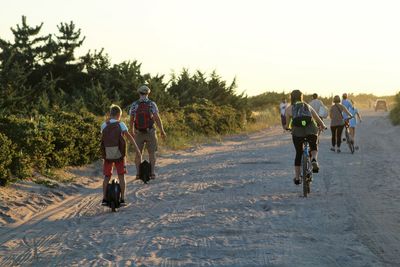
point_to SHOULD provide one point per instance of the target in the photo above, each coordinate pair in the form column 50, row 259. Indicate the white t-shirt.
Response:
column 121, row 124
column 282, row 108
column 316, row 104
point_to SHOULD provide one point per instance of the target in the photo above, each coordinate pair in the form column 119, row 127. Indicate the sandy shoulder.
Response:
column 231, row 203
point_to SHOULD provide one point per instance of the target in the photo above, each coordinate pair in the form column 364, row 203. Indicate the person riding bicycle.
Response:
column 337, row 122
column 304, row 122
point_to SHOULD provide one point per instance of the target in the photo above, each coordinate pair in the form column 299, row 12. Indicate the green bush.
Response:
column 209, row 119
column 33, row 140
column 6, row 156
column 395, row 112
column 77, row 139
column 196, row 121
column 56, row 140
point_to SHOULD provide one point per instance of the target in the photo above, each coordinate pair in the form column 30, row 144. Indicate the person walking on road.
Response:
column 353, row 122
column 337, row 122
column 143, row 114
column 347, row 103
column 316, row 104
column 282, row 109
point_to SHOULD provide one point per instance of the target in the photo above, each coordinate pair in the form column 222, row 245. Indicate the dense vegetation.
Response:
column 51, row 100
column 395, row 112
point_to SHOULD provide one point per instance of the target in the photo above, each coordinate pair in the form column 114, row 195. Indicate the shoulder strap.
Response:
column 340, row 112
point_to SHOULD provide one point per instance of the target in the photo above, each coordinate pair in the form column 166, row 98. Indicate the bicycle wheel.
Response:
column 349, row 141
column 304, row 164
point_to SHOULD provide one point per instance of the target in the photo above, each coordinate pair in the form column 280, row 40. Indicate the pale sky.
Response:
column 328, row 47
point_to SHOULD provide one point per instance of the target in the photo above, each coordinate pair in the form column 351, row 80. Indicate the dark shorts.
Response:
column 298, row 145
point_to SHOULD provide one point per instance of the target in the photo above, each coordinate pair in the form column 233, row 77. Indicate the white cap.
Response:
column 144, row 89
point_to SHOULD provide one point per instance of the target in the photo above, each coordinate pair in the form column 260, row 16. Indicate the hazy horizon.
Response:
column 314, row 46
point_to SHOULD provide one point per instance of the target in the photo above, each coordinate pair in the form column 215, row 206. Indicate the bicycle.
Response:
column 306, row 168
column 348, row 138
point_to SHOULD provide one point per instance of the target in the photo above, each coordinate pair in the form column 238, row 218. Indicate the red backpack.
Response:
column 144, row 118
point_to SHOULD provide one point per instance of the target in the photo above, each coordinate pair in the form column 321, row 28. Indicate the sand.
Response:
column 231, row 203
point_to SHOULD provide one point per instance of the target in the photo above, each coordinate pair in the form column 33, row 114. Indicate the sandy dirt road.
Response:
column 232, row 204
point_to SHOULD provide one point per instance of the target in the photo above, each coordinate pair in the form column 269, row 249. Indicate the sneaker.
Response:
column 338, row 150
column 122, row 202
column 333, row 149
column 315, row 166
column 104, row 202
column 296, row 181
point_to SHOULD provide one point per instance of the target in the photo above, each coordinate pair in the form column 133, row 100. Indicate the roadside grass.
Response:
column 175, row 141
column 259, row 121
column 395, row 111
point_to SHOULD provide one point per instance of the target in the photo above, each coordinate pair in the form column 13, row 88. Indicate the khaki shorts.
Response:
column 150, row 138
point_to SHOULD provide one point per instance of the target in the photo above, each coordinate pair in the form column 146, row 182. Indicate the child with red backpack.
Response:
column 113, row 147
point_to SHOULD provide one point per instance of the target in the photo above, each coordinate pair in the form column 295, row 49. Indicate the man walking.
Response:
column 143, row 114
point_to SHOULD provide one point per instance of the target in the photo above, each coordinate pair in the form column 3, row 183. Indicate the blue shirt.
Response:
column 353, row 121
column 348, row 105
column 121, row 124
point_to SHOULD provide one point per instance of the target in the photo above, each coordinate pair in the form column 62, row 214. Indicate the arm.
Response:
column 359, row 116
column 288, row 115
column 345, row 110
column 317, row 119
column 132, row 120
column 158, row 121
column 132, row 125
column 132, row 140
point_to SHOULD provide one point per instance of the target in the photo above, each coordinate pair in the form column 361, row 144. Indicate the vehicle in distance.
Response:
column 380, row 104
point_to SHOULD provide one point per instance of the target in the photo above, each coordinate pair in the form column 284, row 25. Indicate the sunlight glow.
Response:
column 316, row 46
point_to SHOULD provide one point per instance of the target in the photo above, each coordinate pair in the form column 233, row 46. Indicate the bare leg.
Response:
column 105, row 183
column 314, row 154
column 297, row 172
column 137, row 163
column 352, row 132
column 121, row 178
column 152, row 158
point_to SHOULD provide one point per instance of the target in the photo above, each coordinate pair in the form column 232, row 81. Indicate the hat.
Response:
column 144, row 89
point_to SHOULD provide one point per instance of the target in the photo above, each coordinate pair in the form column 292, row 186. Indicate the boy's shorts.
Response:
column 108, row 167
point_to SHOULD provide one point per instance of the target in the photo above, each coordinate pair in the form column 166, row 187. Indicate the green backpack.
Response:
column 301, row 115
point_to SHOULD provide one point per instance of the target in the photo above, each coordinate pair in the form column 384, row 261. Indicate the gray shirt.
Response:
column 316, row 104
column 335, row 113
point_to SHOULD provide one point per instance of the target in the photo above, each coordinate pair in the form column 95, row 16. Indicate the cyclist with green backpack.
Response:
column 304, row 122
